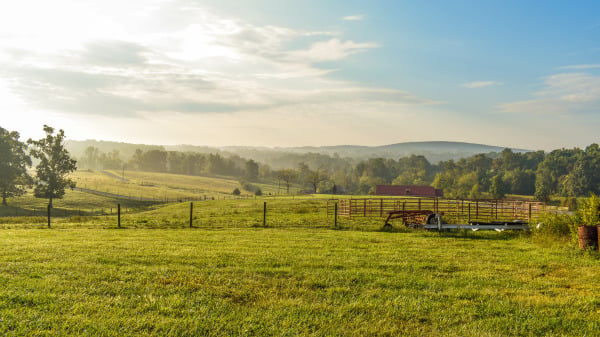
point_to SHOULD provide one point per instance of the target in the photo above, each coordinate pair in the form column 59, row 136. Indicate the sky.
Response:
column 521, row 74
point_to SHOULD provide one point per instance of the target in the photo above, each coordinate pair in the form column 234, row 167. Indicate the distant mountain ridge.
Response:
column 434, row 151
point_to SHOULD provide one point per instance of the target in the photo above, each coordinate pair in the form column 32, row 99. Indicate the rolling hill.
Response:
column 434, row 151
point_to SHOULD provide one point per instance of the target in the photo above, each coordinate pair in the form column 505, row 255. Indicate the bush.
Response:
column 258, row 192
column 249, row 187
column 236, row 191
column 589, row 211
column 570, row 202
column 555, row 226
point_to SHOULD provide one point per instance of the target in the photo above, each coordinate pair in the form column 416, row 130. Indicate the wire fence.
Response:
column 281, row 212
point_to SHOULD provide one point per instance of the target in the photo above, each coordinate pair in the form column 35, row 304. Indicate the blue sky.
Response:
column 522, row 74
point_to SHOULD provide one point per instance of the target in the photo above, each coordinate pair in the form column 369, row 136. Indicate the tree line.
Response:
column 567, row 173
column 563, row 172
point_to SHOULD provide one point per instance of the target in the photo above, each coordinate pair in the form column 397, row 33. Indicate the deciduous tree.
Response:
column 497, row 187
column 14, row 162
column 54, row 166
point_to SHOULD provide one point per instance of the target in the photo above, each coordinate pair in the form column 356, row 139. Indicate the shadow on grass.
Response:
column 479, row 235
column 12, row 211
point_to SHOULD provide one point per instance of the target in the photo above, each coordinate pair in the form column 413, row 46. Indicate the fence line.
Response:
column 459, row 210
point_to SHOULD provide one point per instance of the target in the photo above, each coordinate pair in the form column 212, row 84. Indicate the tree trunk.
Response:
column 4, row 199
column 50, row 202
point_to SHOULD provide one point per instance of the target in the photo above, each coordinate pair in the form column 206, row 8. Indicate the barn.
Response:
column 409, row 190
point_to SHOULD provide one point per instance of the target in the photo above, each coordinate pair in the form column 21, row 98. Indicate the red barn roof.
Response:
column 409, row 190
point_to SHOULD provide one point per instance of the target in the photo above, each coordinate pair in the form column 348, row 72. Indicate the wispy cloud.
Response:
column 479, row 84
column 331, row 50
column 357, row 17
column 581, row 67
column 568, row 93
column 201, row 64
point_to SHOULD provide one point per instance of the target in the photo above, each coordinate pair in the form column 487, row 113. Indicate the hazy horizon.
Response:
column 290, row 74
column 300, row 146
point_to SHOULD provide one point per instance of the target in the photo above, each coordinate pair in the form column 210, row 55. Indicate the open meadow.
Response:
column 161, row 186
column 293, row 281
column 229, row 274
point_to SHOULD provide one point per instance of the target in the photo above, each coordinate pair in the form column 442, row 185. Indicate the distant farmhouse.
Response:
column 409, row 190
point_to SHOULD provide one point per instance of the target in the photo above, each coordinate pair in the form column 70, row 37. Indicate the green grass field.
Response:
column 282, row 212
column 162, row 185
column 158, row 186
column 292, row 281
column 229, row 275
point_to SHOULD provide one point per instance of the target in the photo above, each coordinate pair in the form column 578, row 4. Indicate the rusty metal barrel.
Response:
column 588, row 237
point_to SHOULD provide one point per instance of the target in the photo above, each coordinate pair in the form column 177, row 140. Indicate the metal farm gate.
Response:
column 453, row 210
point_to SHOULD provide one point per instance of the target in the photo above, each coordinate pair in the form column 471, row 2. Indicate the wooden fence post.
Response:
column 119, row 215
column 335, row 215
column 191, row 213
column 469, row 220
column 265, row 214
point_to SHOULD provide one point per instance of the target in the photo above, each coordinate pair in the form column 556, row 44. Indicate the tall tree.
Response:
column 91, row 157
column 314, row 178
column 14, row 162
column 251, row 170
column 497, row 187
column 287, row 175
column 55, row 163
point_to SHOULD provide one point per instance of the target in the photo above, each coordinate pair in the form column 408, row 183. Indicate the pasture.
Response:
column 292, row 281
column 298, row 275
column 162, row 186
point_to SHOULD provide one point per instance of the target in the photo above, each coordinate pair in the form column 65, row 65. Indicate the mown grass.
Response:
column 73, row 203
column 291, row 281
column 159, row 186
column 162, row 186
column 238, row 213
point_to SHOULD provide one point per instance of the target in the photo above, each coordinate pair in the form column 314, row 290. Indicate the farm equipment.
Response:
column 410, row 218
column 426, row 213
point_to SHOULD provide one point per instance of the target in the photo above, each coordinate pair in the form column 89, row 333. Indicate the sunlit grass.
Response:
column 73, row 203
column 163, row 186
column 231, row 213
column 275, row 281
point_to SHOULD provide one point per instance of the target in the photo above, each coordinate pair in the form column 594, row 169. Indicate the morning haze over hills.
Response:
column 434, row 151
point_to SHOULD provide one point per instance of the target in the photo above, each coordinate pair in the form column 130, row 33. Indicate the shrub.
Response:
column 589, row 211
column 236, row 191
column 555, row 226
column 249, row 187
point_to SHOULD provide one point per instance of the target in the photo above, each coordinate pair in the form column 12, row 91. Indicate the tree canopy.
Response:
column 14, row 162
column 54, row 165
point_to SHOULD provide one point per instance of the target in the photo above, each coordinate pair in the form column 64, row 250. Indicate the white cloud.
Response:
column 581, row 67
column 568, row 93
column 167, row 64
column 479, row 84
column 201, row 63
column 358, row 17
column 332, row 50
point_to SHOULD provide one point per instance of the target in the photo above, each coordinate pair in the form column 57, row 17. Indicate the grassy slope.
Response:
column 281, row 212
column 161, row 185
column 140, row 184
column 73, row 202
column 291, row 282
